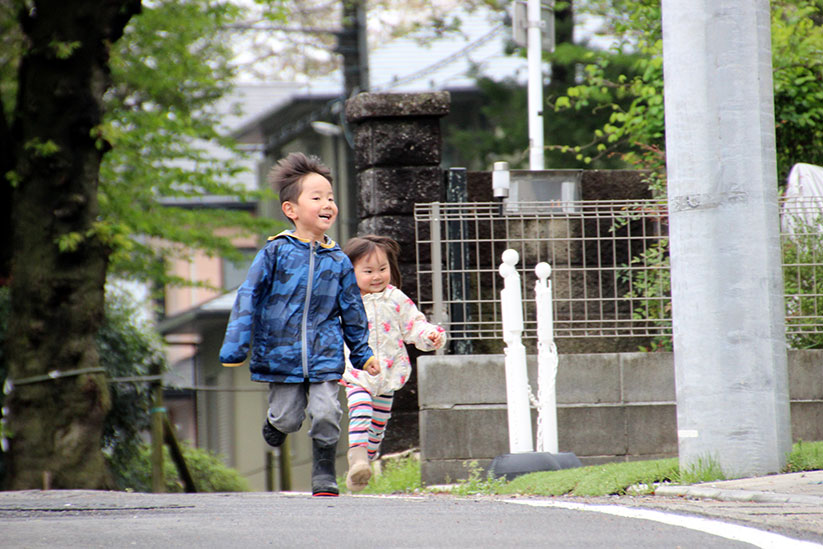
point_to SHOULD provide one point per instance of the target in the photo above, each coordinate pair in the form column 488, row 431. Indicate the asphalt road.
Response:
column 34, row 519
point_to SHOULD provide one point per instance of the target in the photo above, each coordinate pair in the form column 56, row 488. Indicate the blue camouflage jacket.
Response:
column 298, row 304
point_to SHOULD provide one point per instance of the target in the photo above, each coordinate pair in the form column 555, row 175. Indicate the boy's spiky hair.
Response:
column 287, row 175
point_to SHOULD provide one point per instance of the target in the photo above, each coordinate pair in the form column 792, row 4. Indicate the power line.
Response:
column 445, row 61
column 295, row 128
column 305, row 30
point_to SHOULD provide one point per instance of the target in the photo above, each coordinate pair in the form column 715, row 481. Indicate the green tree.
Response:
column 168, row 96
column 10, row 45
column 71, row 91
column 797, row 53
column 632, row 96
column 797, row 42
column 127, row 348
column 57, row 292
column 497, row 135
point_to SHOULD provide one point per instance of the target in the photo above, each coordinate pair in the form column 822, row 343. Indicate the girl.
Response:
column 393, row 321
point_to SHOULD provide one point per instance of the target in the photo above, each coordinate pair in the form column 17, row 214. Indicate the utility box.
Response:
column 541, row 191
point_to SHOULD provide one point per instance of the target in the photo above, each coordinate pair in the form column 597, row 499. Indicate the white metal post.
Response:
column 535, row 63
column 546, row 362
column 438, row 309
column 517, row 380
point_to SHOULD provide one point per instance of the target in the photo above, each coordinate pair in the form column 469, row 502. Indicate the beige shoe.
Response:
column 359, row 469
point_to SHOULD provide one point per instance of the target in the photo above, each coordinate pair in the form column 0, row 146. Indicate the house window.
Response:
column 235, row 273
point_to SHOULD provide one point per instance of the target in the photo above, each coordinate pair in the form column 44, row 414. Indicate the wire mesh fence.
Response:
column 610, row 268
column 801, row 232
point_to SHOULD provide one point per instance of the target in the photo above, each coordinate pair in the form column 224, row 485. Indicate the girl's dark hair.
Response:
column 287, row 176
column 364, row 246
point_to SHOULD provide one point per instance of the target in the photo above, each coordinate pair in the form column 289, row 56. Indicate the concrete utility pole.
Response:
column 351, row 44
column 727, row 289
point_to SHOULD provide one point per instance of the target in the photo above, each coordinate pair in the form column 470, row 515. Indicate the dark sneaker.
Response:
column 272, row 436
column 323, row 479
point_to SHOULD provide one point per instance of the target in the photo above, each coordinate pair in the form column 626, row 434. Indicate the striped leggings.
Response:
column 368, row 416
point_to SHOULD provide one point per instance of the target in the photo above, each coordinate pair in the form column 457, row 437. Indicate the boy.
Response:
column 300, row 302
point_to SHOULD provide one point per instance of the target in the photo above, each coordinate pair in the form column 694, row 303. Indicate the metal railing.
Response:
column 609, row 259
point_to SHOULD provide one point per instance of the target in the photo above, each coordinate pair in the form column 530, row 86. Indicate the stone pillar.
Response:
column 397, row 151
column 397, row 144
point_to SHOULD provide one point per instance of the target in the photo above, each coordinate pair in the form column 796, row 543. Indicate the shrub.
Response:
column 208, row 470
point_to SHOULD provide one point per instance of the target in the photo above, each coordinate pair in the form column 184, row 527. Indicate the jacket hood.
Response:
column 289, row 235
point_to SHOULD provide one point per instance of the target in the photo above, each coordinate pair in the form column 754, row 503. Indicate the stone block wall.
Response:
column 397, row 146
column 610, row 407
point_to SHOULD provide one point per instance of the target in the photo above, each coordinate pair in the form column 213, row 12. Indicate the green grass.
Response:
column 636, row 477
column 705, row 470
column 596, row 480
column 476, row 483
column 399, row 476
column 805, row 456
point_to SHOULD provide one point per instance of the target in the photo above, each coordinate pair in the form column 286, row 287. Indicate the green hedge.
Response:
column 209, row 471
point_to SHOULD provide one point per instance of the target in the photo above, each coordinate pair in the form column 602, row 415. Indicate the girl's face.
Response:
column 372, row 272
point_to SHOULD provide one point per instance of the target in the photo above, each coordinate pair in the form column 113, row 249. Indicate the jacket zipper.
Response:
column 305, row 324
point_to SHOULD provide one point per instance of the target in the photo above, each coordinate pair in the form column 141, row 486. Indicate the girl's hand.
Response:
column 372, row 368
column 436, row 338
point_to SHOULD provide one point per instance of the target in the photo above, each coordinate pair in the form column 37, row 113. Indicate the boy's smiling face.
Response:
column 315, row 209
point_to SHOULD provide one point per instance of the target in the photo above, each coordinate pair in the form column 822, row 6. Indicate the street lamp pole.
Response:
column 535, row 88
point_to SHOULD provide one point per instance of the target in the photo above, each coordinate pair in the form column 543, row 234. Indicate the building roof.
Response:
column 193, row 320
column 255, row 100
column 408, row 65
column 403, row 65
column 239, row 108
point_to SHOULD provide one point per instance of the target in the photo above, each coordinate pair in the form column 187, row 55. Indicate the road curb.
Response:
column 736, row 495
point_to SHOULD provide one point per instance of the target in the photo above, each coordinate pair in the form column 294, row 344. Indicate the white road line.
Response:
column 758, row 538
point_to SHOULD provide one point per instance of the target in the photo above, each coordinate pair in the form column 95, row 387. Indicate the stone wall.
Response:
column 610, row 407
column 594, row 185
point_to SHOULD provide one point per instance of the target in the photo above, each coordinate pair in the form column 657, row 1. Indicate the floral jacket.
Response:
column 394, row 320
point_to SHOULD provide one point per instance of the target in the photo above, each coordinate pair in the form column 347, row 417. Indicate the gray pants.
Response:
column 289, row 403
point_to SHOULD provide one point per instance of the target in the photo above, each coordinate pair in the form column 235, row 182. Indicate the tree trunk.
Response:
column 562, row 76
column 6, row 165
column 57, row 292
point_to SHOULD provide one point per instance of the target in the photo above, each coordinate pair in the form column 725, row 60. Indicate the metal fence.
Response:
column 609, row 259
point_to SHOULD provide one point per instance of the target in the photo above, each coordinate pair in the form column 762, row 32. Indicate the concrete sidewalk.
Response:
column 802, row 488
column 791, row 504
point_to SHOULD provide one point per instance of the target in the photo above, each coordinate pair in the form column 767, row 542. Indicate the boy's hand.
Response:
column 373, row 368
column 437, row 337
